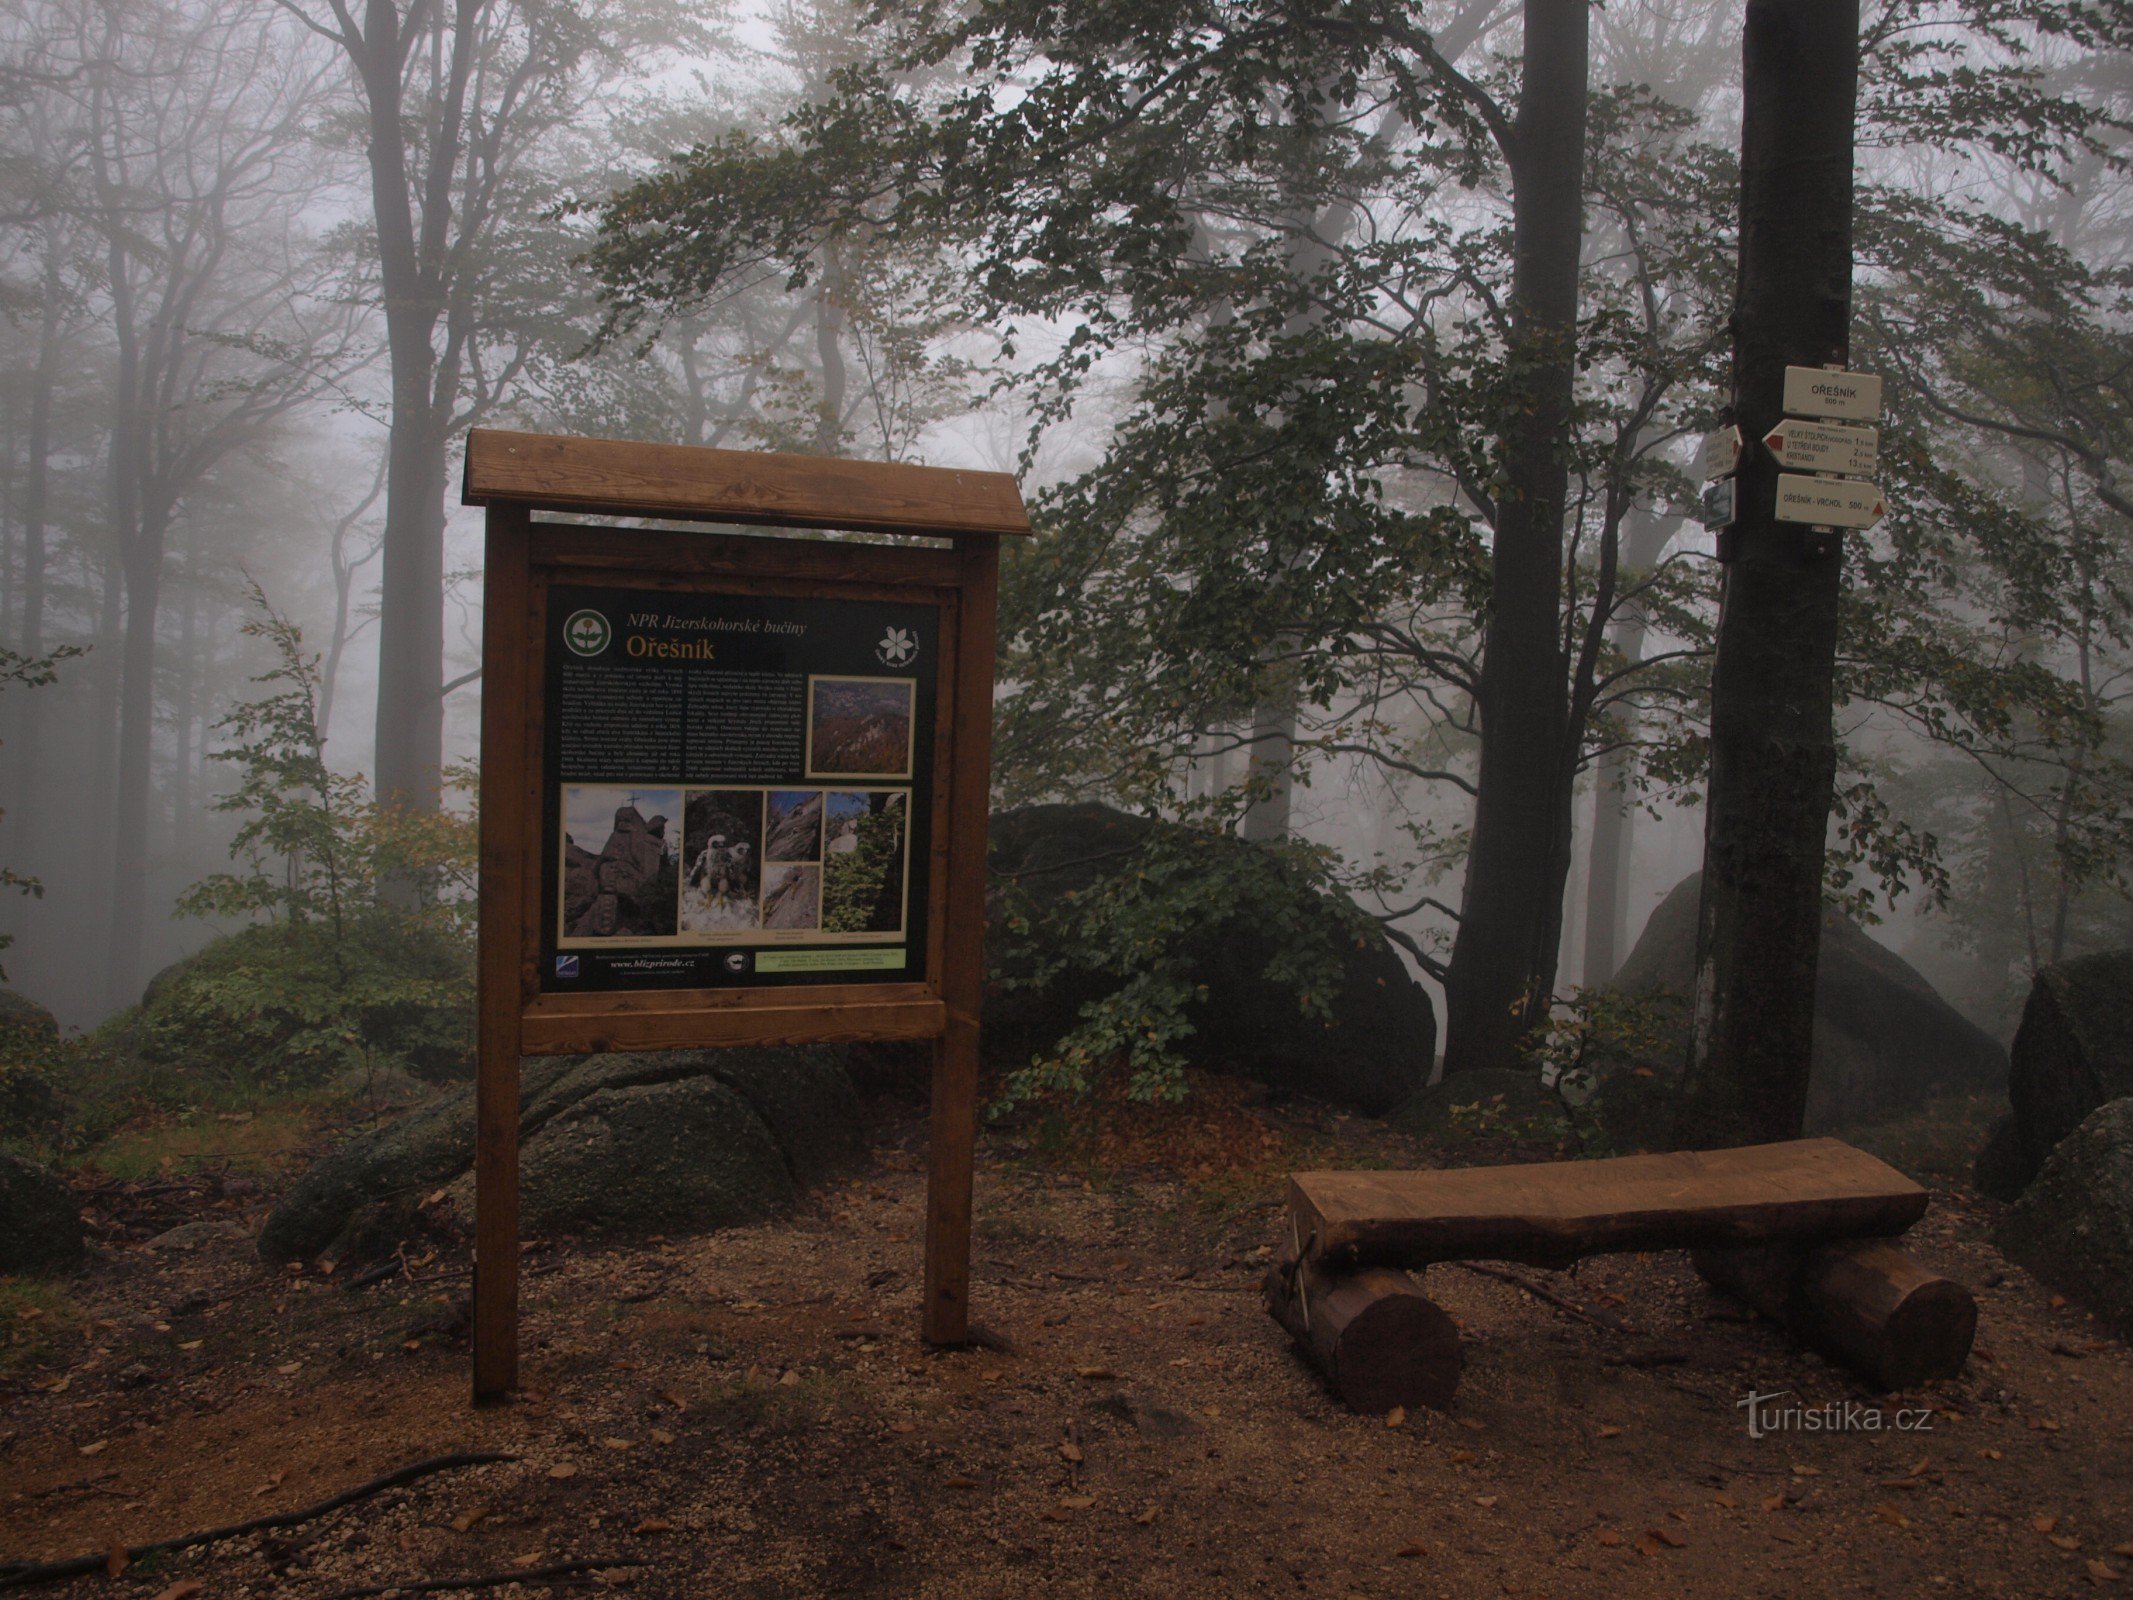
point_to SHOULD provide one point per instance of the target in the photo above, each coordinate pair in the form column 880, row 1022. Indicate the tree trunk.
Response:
column 136, row 750
column 1377, row 1338
column 1645, row 537
column 409, row 755
column 1773, row 750
column 1503, row 958
column 36, row 495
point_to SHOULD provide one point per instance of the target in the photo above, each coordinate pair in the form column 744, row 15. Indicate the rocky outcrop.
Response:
column 40, row 1226
column 663, row 1141
column 2072, row 1053
column 1884, row 1040
column 2073, row 1226
column 1372, row 1053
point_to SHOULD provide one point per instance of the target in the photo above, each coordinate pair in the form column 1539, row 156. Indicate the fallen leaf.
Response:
column 2103, row 1572
column 2044, row 1522
column 1461, row 1455
column 653, row 1525
column 563, row 1469
column 186, row 1588
column 661, row 1436
column 530, row 1559
column 1070, row 1451
column 620, row 1444
column 1649, row 1545
column 791, row 1380
column 1726, row 1500
column 2066, row 1541
column 1918, row 1467
column 1774, row 1502
column 1052, row 1514
column 1078, row 1502
column 466, row 1519
column 117, row 1560
column 1485, row 1500
column 1147, row 1515
column 1802, row 1471
column 2125, row 1549
column 1610, row 1538
column 1396, row 1416
column 961, row 1482
column 673, row 1399
column 1670, row 1536
column 1990, row 1454
column 1889, row 1514
column 271, row 1484
column 1094, row 1373
column 1474, row 1423
column 288, row 1367
column 97, row 1448
column 1609, row 1431
column 1413, row 1548
column 903, row 1427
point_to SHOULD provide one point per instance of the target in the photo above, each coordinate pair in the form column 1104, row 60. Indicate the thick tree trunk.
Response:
column 136, row 751
column 1503, row 959
column 1773, row 750
column 1644, row 540
column 410, row 719
column 24, row 759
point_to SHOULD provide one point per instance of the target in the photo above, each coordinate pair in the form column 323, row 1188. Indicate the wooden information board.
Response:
column 733, row 786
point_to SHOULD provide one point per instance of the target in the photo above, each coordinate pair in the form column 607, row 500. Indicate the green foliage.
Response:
column 1134, row 938
column 1612, row 1059
column 853, row 881
column 337, row 976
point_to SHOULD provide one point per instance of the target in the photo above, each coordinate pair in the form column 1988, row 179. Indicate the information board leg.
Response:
column 496, row 1222
column 954, row 1140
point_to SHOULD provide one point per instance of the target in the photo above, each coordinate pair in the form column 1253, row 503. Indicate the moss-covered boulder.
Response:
column 1885, row 1042
column 652, row 1142
column 2073, row 1226
column 23, row 1017
column 2072, row 1053
column 1228, row 919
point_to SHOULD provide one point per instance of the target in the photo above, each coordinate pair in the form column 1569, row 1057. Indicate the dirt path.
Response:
column 749, row 1414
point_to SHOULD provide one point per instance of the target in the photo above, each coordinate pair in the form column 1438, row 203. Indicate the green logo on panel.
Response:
column 587, row 633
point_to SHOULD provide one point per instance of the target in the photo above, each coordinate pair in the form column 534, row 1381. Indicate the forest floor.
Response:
column 750, row 1413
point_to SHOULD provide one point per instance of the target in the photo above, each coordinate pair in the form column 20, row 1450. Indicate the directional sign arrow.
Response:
column 1830, row 502
column 1719, row 455
column 1825, row 447
column 1819, row 392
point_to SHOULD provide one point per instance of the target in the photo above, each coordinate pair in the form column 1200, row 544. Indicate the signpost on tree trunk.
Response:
column 733, row 787
column 1773, row 749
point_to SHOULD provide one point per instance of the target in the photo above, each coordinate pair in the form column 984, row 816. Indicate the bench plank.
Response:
column 1552, row 1213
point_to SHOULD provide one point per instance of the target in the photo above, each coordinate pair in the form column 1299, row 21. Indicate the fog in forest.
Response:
column 1241, row 330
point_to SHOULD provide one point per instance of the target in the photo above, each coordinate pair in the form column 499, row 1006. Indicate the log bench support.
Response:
column 1862, row 1302
column 1379, row 1340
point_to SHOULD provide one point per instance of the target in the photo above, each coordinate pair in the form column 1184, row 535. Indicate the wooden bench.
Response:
column 1791, row 1228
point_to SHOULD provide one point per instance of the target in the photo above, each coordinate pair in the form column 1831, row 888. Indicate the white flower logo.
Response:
column 898, row 646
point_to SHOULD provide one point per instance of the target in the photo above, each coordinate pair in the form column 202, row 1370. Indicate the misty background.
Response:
column 261, row 269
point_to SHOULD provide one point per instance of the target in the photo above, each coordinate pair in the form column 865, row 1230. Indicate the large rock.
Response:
column 40, row 1226
column 21, row 1015
column 2072, row 1053
column 659, row 1141
column 1373, row 1052
column 2073, row 1226
column 1884, row 1040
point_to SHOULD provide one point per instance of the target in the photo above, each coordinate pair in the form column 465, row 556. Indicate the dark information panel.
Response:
column 737, row 789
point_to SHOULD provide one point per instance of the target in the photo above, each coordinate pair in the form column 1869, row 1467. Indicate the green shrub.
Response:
column 303, row 1002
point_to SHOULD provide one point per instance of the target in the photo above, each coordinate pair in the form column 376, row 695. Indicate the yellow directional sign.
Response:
column 1829, row 502
column 1819, row 392
column 1825, row 447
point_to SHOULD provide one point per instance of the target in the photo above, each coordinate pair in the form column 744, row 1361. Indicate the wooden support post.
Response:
column 503, row 934
column 945, row 1319
column 1864, row 1302
column 1379, row 1340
